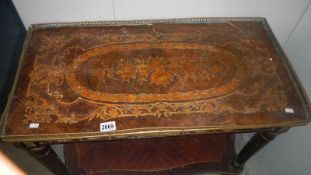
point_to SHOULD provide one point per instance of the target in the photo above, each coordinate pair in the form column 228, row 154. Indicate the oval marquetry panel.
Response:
column 149, row 72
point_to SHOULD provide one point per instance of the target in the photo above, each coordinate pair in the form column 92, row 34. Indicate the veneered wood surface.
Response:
column 155, row 79
column 170, row 155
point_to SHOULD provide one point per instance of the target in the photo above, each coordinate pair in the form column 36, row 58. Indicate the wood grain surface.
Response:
column 152, row 78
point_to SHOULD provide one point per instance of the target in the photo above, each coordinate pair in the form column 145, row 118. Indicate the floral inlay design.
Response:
column 62, row 83
column 171, row 75
column 158, row 71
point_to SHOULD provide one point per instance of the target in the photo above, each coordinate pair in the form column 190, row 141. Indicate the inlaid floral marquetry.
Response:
column 192, row 70
column 169, row 76
column 160, row 74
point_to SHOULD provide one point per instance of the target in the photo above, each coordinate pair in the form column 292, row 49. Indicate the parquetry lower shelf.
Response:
column 179, row 155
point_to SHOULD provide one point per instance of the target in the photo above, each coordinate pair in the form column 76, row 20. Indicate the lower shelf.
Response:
column 180, row 155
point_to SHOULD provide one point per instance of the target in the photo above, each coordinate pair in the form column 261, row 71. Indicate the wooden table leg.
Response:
column 46, row 155
column 258, row 141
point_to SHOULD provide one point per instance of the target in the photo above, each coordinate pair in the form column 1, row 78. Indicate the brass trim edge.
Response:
column 290, row 70
column 197, row 20
column 142, row 133
column 11, row 94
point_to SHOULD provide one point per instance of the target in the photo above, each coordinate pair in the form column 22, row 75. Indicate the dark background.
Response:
column 12, row 35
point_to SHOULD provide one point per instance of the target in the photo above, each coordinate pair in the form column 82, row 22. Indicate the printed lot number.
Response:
column 108, row 126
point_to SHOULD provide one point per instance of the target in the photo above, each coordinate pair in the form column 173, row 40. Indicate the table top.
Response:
column 151, row 78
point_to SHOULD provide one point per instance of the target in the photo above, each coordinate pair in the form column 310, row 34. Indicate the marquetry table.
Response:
column 151, row 96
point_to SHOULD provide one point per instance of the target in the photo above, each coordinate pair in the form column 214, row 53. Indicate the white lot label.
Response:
column 34, row 125
column 108, row 126
column 289, row 110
